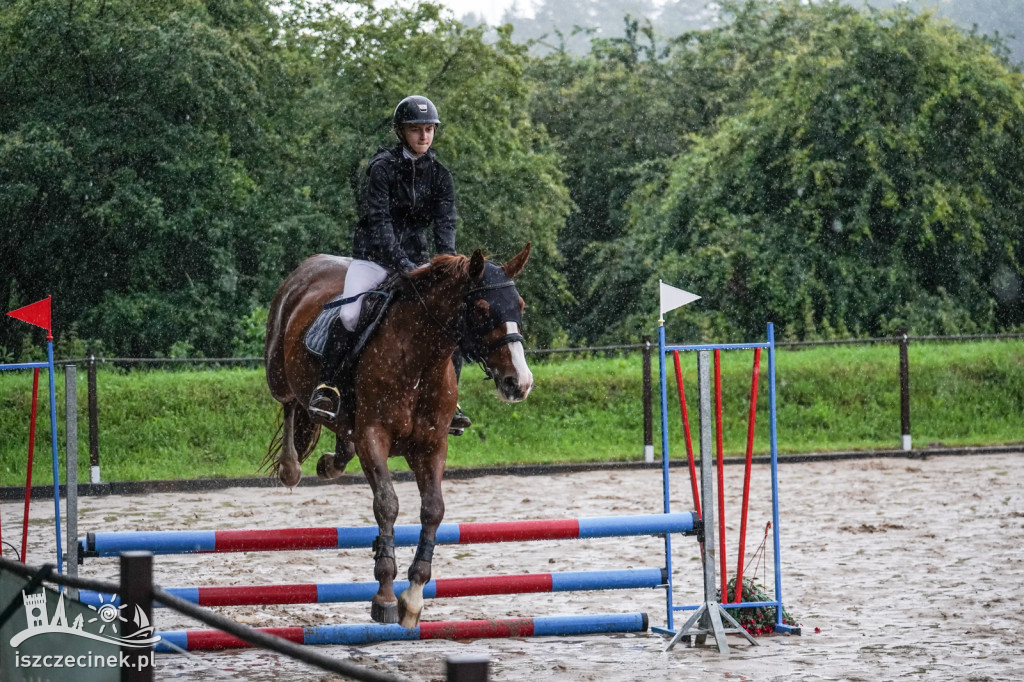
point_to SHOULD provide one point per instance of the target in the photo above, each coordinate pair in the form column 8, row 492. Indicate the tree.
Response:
column 128, row 137
column 612, row 113
column 869, row 183
column 163, row 166
column 558, row 25
column 1001, row 19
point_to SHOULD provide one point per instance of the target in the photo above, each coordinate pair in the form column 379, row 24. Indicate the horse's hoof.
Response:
column 325, row 467
column 289, row 475
column 331, row 465
column 384, row 613
column 406, row 617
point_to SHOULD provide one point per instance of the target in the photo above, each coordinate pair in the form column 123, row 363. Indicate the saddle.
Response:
column 375, row 304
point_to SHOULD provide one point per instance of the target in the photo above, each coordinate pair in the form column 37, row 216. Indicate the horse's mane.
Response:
column 445, row 266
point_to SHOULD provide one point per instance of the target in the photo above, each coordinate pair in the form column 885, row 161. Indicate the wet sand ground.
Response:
column 894, row 568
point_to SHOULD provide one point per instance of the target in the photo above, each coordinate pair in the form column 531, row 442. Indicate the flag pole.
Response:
column 53, row 446
column 669, row 605
column 669, row 298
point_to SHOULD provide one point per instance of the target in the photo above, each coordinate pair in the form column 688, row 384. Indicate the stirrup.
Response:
column 322, row 405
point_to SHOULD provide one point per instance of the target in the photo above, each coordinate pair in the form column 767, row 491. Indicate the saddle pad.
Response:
column 375, row 303
column 316, row 336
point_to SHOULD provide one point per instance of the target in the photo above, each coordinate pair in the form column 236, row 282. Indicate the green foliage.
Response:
column 757, row 620
column 570, row 26
column 612, row 114
column 253, row 334
column 163, row 166
column 834, row 169
column 1001, row 19
column 131, row 142
column 859, row 173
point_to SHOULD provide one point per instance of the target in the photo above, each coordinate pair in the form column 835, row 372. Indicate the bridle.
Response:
column 473, row 347
column 502, row 299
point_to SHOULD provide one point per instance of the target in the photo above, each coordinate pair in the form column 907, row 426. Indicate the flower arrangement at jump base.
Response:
column 758, row 620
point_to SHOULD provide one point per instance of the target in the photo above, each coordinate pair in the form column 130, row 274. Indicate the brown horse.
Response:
column 404, row 388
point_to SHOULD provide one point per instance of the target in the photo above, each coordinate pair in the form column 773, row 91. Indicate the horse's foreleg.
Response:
column 373, row 456
column 288, row 469
column 428, row 478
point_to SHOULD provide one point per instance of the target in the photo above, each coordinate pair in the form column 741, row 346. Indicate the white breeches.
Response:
column 363, row 275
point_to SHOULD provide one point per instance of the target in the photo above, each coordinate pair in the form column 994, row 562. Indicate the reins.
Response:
column 430, row 313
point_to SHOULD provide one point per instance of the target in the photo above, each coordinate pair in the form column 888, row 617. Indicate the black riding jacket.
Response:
column 401, row 200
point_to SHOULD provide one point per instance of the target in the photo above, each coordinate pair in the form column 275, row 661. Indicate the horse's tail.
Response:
column 270, row 460
column 305, row 432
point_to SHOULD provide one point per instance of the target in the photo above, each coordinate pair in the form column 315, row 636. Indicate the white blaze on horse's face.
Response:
column 516, row 385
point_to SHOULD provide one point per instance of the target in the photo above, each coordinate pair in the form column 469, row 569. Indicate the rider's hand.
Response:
column 406, row 266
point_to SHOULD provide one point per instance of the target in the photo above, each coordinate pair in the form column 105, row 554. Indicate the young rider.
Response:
column 407, row 194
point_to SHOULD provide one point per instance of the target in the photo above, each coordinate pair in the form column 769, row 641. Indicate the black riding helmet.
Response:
column 414, row 109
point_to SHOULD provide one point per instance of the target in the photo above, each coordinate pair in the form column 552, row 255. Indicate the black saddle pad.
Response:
column 375, row 304
column 316, row 336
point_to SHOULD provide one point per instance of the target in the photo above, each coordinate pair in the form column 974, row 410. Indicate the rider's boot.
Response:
column 326, row 399
column 460, row 422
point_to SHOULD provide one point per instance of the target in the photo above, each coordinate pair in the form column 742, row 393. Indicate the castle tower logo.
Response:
column 108, row 615
column 35, row 609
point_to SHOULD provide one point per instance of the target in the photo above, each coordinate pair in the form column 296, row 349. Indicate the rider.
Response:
column 407, row 192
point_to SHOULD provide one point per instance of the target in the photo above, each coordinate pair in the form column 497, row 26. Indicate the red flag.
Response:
column 37, row 313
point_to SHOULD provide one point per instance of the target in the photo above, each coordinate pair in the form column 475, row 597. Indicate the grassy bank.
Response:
column 213, row 423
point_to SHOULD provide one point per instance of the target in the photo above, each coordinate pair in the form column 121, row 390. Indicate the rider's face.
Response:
column 419, row 136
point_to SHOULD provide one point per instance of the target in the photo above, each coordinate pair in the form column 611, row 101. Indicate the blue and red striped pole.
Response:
column 208, row 640
column 203, row 541
column 247, row 595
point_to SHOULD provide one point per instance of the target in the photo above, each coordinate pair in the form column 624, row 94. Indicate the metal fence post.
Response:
column 905, row 392
column 71, row 473
column 467, row 668
column 94, row 426
column 137, row 591
column 647, row 398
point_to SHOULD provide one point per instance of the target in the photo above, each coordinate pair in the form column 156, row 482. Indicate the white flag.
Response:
column 672, row 298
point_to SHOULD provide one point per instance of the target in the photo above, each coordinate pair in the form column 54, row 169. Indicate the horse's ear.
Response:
column 476, row 265
column 515, row 266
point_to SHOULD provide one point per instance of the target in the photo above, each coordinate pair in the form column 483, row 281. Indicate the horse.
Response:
column 404, row 389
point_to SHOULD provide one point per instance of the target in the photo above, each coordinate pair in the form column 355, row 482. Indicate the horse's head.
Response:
column 493, row 325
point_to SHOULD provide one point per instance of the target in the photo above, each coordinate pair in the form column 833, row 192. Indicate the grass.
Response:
column 164, row 424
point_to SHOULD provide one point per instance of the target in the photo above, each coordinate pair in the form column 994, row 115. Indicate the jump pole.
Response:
column 209, row 541
column 28, row 464
column 686, row 431
column 440, row 588
column 671, row 298
column 209, row 640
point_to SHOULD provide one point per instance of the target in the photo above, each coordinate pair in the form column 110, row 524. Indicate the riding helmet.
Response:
column 415, row 109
